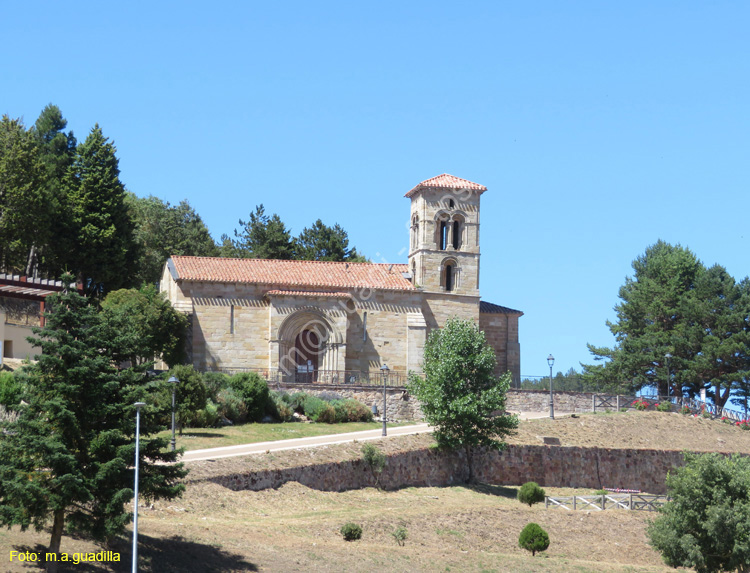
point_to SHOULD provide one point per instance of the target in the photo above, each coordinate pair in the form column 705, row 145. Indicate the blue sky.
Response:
column 598, row 127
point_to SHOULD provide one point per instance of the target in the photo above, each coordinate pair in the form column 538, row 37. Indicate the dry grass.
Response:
column 295, row 528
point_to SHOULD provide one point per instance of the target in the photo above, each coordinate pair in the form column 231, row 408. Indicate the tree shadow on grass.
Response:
column 497, row 490
column 192, row 434
column 155, row 555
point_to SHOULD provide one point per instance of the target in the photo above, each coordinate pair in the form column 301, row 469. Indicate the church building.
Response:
column 340, row 322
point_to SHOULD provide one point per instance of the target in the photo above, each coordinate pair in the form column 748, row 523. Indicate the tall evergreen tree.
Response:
column 718, row 334
column 70, row 454
column 323, row 243
column 57, row 152
column 101, row 230
column 163, row 230
column 263, row 237
column 651, row 321
column 22, row 196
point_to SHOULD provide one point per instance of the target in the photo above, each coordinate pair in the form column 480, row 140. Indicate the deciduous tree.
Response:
column 459, row 394
column 705, row 525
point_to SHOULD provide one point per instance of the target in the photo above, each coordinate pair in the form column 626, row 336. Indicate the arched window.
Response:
column 451, row 204
column 450, row 277
column 443, row 239
column 415, row 232
column 456, row 235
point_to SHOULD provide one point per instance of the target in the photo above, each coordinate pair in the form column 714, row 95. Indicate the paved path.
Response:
column 295, row 443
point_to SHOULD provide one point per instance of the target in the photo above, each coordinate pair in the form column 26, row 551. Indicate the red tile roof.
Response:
column 448, row 181
column 310, row 274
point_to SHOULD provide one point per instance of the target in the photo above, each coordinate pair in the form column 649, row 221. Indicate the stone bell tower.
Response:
column 444, row 242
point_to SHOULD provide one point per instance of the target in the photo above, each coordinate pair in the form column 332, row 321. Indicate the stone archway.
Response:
column 308, row 343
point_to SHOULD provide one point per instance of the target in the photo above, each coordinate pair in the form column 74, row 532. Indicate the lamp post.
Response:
column 551, row 362
column 174, row 382
column 138, row 406
column 667, row 356
column 384, row 371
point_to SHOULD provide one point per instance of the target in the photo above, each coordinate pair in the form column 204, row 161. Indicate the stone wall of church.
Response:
column 501, row 331
column 438, row 308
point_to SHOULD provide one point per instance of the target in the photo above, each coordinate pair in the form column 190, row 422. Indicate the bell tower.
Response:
column 444, row 235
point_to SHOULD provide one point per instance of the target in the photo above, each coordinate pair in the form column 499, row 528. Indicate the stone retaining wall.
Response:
column 403, row 406
column 551, row 466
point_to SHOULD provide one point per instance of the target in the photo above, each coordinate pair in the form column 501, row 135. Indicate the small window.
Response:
column 443, row 235
column 451, row 204
column 456, row 235
column 449, row 278
column 231, row 319
column 364, row 326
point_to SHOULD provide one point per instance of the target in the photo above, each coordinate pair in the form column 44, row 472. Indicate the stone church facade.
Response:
column 340, row 322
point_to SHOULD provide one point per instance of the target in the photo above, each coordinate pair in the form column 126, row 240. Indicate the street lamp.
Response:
column 174, row 382
column 667, row 356
column 138, row 406
column 551, row 362
column 384, row 371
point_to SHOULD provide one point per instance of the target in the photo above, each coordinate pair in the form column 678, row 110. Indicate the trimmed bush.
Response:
column 533, row 538
column 215, row 382
column 664, row 407
column 232, row 406
column 207, row 417
column 530, row 493
column 351, row 531
column 326, row 415
column 254, row 392
column 278, row 409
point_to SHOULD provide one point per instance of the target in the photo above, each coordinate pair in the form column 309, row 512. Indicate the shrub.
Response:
column 533, row 538
column 530, row 493
column 207, row 417
column 601, row 492
column 375, row 460
column 685, row 410
column 351, row 531
column 232, row 406
column 326, row 415
column 215, row 382
column 190, row 393
column 357, row 412
column 278, row 409
column 312, row 405
column 399, row 534
column 329, row 396
column 10, row 390
column 297, row 402
column 640, row 404
column 254, row 392
column 664, row 407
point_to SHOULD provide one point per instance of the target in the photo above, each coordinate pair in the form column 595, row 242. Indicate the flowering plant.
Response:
column 640, row 404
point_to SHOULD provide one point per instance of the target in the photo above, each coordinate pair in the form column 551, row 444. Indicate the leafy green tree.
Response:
column 263, row 237
column 190, row 395
column 100, row 228
column 323, row 243
column 70, row 454
column 22, row 196
column 533, row 538
column 163, row 230
column 144, row 326
column 651, row 321
column 460, row 397
column 706, row 524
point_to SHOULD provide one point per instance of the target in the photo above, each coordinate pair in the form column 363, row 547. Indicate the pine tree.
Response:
column 70, row 454
column 100, row 230
column 323, row 243
column 263, row 237
column 22, row 195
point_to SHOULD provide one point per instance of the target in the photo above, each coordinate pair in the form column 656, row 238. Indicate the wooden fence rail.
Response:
column 633, row 501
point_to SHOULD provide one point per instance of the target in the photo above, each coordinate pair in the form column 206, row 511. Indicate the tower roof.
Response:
column 447, row 181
